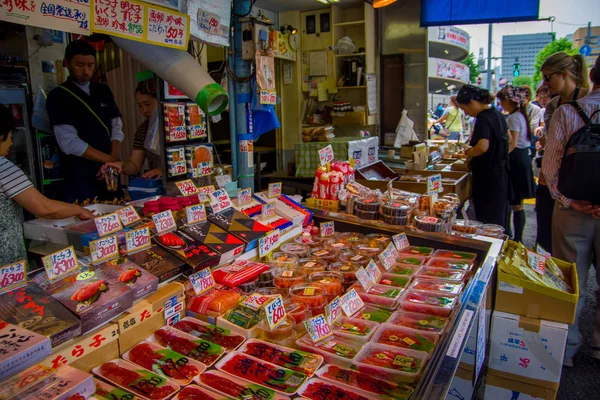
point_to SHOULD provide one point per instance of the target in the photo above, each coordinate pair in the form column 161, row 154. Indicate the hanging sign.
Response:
column 128, row 215
column 104, row 249
column 268, row 97
column 164, row 222
column 268, row 242
column 61, row 15
column 275, row 312
column 401, row 242
column 274, row 190
column 244, row 196
column 137, row 240
column 195, row 214
column 13, row 276
column 202, row 281
column 210, row 20
column 167, row 27
column 318, row 328
column 60, row 263
column 327, row 228
column 187, row 187
column 326, row 155
column 107, row 224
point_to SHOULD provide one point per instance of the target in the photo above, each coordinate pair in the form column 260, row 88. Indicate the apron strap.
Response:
column 88, row 107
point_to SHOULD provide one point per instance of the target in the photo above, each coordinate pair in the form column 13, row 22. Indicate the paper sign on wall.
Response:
column 62, row 15
column 167, row 27
column 210, row 20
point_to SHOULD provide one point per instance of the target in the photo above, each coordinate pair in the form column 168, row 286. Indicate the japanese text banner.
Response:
column 68, row 16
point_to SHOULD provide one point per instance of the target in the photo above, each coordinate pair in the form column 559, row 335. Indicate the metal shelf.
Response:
column 350, row 55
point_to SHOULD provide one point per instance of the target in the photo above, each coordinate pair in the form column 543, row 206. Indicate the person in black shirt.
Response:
column 488, row 157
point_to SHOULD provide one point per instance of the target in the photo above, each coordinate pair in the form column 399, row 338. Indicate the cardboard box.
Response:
column 519, row 296
column 227, row 245
column 66, row 382
column 526, row 349
column 468, row 355
column 92, row 360
column 350, row 118
column 140, row 281
column 20, row 349
column 187, row 249
column 159, row 263
column 24, row 380
column 240, row 225
column 499, row 388
column 461, row 387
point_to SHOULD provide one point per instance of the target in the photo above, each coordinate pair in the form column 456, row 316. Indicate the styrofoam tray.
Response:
column 251, row 388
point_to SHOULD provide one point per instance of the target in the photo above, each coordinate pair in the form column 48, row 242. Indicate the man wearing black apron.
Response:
column 87, row 125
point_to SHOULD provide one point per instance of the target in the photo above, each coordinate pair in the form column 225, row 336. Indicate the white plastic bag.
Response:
column 40, row 119
column 404, row 131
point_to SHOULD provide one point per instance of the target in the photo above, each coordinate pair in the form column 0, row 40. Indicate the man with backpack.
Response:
column 572, row 169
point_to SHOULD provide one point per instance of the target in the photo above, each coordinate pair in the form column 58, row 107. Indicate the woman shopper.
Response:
column 488, row 156
column 566, row 78
column 454, row 120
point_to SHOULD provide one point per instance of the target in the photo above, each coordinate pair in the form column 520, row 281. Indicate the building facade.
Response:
column 523, row 48
column 591, row 37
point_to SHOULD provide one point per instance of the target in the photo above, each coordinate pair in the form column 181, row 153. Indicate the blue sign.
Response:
column 585, row 50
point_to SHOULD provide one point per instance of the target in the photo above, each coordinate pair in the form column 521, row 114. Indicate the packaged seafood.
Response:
column 331, row 282
column 311, row 295
column 350, row 238
column 188, row 249
column 284, row 260
column 300, row 250
column 141, row 282
column 211, row 333
column 159, row 263
column 327, row 255
column 417, row 251
column 405, row 270
column 316, row 388
column 463, row 227
column 334, row 349
column 176, row 163
column 194, row 392
column 174, row 116
column 449, row 275
column 390, row 363
column 296, row 360
column 240, row 272
column 310, row 240
column 283, row 334
column 249, row 286
column 359, row 330
column 190, row 346
column 395, row 209
column 195, row 121
column 24, row 380
column 405, row 259
column 20, row 349
column 371, row 251
column 437, row 285
column 419, row 321
column 66, row 383
column 394, row 280
column 406, row 338
column 381, row 296
column 450, row 263
column 374, row 314
column 429, row 302
column 310, row 265
column 381, row 238
column 351, row 256
column 240, row 225
column 236, row 388
column 455, row 255
column 283, row 279
column 227, row 245
column 107, row 391
column 218, row 300
column 347, row 270
column 243, row 317
column 298, row 311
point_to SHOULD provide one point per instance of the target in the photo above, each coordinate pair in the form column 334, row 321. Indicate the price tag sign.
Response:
column 195, row 214
column 220, row 201
column 13, row 276
column 351, row 303
column 274, row 190
column 537, row 262
column 202, row 281
column 434, row 184
column 107, row 224
column 164, row 222
column 365, row 279
column 268, row 96
column 244, row 196
column 61, row 263
column 268, row 210
column 373, row 271
column 326, row 155
column 401, row 242
column 541, row 251
column 204, row 168
column 128, row 215
column 104, row 249
column 389, row 256
column 187, row 187
column 275, row 312
column 204, row 193
column 255, row 301
column 267, row 243
column 137, row 240
column 327, row 228
column 318, row 328
column 333, row 310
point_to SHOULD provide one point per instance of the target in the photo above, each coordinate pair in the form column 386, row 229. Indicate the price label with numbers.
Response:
column 244, row 196
column 187, row 187
column 202, row 281
column 434, row 184
column 137, row 240
column 274, row 190
column 13, row 276
column 318, row 328
column 107, row 224
column 267, row 243
column 537, row 262
column 268, row 210
column 351, row 303
column 327, row 228
column 204, row 168
column 373, row 271
column 178, row 168
column 255, row 301
column 220, row 201
column 195, row 214
column 128, row 215
column 389, row 256
column 326, row 155
column 364, row 278
column 164, row 222
column 275, row 312
column 204, row 192
column 401, row 242
column 333, row 310
column 104, row 249
column 543, row 252
column 61, row 263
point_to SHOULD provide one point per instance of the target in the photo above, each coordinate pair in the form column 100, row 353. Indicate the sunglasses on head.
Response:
column 547, row 77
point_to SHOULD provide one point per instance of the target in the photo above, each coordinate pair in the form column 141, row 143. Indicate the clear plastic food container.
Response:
column 450, row 275
column 356, row 329
column 374, row 314
column 273, row 291
column 394, row 280
column 405, row 270
column 405, row 259
column 284, row 279
column 347, row 270
column 466, row 228
column 327, row 255
column 437, row 285
column 406, row 338
column 300, row 250
column 350, row 238
column 450, row 263
column 419, row 321
column 381, row 296
column 298, row 311
column 312, row 241
column 334, row 349
column 352, row 256
column 283, row 334
column 311, row 295
column 310, row 265
column 380, row 238
column 284, row 260
column 421, row 251
column 369, row 251
column 331, row 282
column 391, row 363
column 429, row 302
column 455, row 255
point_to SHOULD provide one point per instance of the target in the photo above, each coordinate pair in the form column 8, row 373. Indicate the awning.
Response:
column 463, row 12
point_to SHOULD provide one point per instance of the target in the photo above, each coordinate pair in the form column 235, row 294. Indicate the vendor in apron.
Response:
column 87, row 125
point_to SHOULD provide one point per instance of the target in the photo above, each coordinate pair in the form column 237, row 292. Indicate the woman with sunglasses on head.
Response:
column 488, row 156
column 512, row 100
column 566, row 78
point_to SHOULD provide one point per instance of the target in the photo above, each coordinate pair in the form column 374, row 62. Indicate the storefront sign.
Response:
column 326, row 155
column 537, row 262
column 128, row 215
column 204, row 168
column 202, row 281
column 195, row 214
column 104, row 249
column 268, row 210
column 107, row 224
column 220, row 201
column 187, row 187
column 268, row 243
column 62, row 15
column 351, row 303
column 61, row 263
column 164, row 222
column 268, row 97
column 13, row 276
column 434, row 184
column 365, row 279
column 275, row 312
column 327, row 228
column 450, row 35
column 388, row 256
column 333, row 310
column 137, row 240
column 373, row 271
column 167, row 28
column 318, row 328
column 244, row 196
column 274, row 190
column 401, row 242
column 446, row 69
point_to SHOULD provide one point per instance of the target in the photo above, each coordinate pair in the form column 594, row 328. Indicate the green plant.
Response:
column 551, row 48
column 473, row 67
column 522, row 80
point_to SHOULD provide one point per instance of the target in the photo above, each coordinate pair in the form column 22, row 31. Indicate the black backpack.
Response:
column 579, row 175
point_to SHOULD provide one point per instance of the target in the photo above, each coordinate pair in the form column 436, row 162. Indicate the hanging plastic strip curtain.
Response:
column 463, row 12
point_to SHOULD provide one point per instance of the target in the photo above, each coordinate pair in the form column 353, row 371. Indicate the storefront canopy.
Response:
column 462, row 12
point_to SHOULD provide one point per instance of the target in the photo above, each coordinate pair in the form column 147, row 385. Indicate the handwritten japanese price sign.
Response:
column 537, row 262
column 274, row 190
column 275, row 312
column 244, row 196
column 61, row 15
column 204, row 192
column 351, row 302
column 268, row 242
column 212, row 21
column 327, row 228
column 137, row 240
column 195, row 214
column 202, row 281
column 13, row 276
column 268, row 210
column 164, row 222
column 204, row 168
column 220, row 201
column 167, row 27
column 122, row 18
column 543, row 252
column 333, row 310
column 178, row 168
column 401, row 242
column 373, row 271
column 128, row 215
column 187, row 187
column 388, row 256
column 107, row 224
column 255, row 301
column 364, row 278
column 268, row 96
column 326, row 155
column 104, row 249
column 434, row 184
column 318, row 328
column 61, row 263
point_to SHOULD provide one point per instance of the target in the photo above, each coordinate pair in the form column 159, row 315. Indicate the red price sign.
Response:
column 202, row 281
column 204, row 192
column 268, row 96
column 373, row 271
column 204, row 168
column 267, row 243
column 13, row 276
column 401, row 241
column 104, row 249
column 137, row 240
column 327, row 228
column 388, row 256
column 244, row 196
column 61, row 263
column 255, row 301
column 268, row 210
column 128, row 215
column 164, row 222
column 434, row 184
column 275, row 312
column 178, row 167
column 351, row 303
column 195, row 214
column 220, row 201
column 333, row 310
column 274, row 190
column 107, row 224
column 187, row 187
column 326, row 155
column 318, row 328
column 537, row 262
